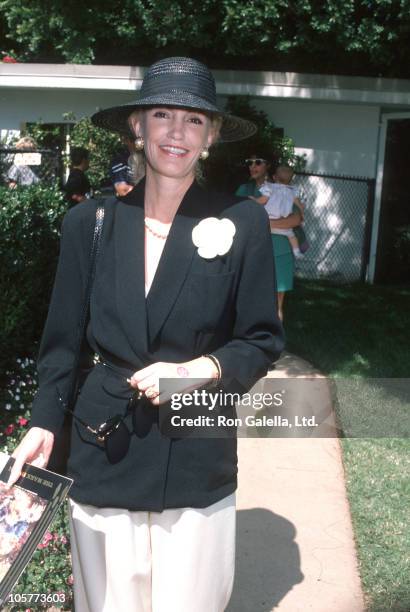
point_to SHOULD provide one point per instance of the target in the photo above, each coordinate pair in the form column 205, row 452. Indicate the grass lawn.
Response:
column 363, row 331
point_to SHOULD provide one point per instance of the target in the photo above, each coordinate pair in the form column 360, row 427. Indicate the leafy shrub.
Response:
column 49, row 571
column 100, row 143
column 30, row 220
column 15, row 405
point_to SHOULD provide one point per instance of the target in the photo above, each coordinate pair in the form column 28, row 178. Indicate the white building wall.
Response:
column 336, row 138
column 49, row 105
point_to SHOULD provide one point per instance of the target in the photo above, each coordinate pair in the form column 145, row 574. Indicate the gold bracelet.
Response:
column 216, row 363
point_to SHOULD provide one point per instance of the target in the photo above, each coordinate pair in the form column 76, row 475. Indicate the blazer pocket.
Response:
column 209, row 300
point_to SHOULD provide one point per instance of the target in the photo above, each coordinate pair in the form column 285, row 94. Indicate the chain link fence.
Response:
column 338, row 218
column 29, row 166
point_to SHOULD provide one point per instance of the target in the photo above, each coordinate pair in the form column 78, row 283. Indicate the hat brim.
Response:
column 115, row 119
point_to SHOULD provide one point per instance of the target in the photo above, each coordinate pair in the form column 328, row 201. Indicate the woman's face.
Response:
column 258, row 169
column 173, row 139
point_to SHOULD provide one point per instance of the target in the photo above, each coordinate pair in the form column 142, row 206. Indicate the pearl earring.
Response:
column 204, row 154
column 139, row 143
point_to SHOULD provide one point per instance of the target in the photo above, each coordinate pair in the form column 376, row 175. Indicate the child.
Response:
column 279, row 199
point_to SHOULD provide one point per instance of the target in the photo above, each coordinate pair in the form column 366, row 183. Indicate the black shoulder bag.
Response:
column 61, row 449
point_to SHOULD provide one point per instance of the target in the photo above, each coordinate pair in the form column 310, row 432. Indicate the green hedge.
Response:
column 30, row 220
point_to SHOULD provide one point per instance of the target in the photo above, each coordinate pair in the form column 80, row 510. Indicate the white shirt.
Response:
column 281, row 199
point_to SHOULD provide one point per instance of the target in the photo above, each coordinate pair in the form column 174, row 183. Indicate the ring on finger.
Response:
column 151, row 393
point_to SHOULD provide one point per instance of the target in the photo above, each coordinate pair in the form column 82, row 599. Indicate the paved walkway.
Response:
column 295, row 548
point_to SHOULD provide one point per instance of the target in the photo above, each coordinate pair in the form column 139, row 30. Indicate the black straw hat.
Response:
column 177, row 82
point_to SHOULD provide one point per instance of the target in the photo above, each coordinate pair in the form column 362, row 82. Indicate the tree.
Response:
column 342, row 36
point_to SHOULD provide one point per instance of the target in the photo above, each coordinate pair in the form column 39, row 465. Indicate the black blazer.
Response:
column 195, row 306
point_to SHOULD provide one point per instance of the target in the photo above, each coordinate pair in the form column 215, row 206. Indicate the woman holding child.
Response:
column 282, row 222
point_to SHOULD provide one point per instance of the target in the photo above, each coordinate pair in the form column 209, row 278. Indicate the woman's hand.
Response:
column 288, row 222
column 202, row 370
column 35, row 448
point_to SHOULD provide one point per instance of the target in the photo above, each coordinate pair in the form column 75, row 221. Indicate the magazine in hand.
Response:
column 26, row 511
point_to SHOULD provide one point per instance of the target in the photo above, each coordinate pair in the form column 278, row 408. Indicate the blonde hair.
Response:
column 26, row 143
column 136, row 162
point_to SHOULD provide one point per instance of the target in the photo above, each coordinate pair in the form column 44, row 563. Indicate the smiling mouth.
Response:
column 174, row 151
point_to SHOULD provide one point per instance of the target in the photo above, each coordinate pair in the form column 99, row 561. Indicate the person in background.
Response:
column 77, row 187
column 258, row 170
column 21, row 174
column 279, row 198
column 127, row 166
column 282, row 251
column 283, row 256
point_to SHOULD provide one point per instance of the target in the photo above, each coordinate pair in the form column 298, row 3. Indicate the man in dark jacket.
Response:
column 77, row 187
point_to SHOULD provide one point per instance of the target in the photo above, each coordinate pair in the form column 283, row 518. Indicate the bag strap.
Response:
column 95, row 248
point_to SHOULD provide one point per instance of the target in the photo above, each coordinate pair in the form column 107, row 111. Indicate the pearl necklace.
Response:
column 153, row 232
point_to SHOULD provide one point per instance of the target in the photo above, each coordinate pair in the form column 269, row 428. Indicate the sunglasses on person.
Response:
column 113, row 435
column 258, row 161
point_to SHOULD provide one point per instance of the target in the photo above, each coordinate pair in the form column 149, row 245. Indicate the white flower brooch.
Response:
column 213, row 236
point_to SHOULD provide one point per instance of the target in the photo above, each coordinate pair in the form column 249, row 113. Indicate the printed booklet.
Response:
column 26, row 511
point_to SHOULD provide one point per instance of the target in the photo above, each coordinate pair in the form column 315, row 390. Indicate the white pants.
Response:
column 172, row 561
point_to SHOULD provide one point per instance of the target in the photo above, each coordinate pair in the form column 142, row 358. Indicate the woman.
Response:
column 282, row 252
column 78, row 187
column 258, row 170
column 283, row 256
column 179, row 296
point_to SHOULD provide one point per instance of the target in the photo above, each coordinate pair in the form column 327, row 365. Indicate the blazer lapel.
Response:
column 130, row 272
column 176, row 260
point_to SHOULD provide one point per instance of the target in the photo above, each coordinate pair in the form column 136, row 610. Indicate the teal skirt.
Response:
column 284, row 262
